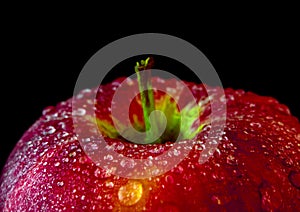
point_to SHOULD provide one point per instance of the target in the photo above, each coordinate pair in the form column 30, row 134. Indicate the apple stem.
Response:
column 146, row 92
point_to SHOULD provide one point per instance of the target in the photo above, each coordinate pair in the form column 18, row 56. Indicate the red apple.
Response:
column 255, row 167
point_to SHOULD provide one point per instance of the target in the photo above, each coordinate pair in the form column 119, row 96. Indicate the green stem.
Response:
column 146, row 92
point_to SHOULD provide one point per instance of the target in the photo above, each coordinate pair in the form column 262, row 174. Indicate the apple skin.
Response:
column 255, row 168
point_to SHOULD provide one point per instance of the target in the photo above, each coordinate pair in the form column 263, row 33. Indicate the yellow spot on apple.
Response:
column 130, row 193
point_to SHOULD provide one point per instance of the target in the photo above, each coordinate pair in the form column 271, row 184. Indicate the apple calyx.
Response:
column 180, row 124
column 170, row 124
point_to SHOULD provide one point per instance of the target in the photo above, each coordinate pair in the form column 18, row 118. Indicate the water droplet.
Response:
column 176, row 152
column 82, row 197
column 255, row 124
column 120, row 146
column 288, row 162
column 127, row 163
column 62, row 125
column 163, row 162
column 56, row 164
column 148, row 162
column 198, row 147
column 216, row 200
column 129, row 81
column 72, row 154
column 48, row 110
column 97, row 172
column 109, row 147
column 169, row 179
column 156, row 150
column 49, row 130
column 294, row 178
column 130, row 193
column 66, row 160
column 60, row 183
column 179, row 169
column 82, row 160
column 50, row 154
column 171, row 91
column 223, row 98
column 155, row 172
column 86, row 140
column 109, row 184
column 101, row 173
column 211, row 151
column 231, row 160
column 62, row 134
column 108, row 157
column 298, row 137
column 79, row 112
column 108, row 196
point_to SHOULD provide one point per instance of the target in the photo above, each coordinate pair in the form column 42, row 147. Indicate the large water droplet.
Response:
column 130, row 193
column 294, row 178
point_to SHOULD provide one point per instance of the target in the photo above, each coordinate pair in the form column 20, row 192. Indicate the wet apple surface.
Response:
column 255, row 166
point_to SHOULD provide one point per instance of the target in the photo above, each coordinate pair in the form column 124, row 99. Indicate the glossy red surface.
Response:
column 255, row 167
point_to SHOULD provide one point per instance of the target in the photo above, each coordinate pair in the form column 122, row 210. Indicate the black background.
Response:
column 43, row 59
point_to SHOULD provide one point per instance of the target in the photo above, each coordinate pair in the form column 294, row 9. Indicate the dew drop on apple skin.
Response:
column 130, row 193
column 298, row 137
column 169, row 179
column 60, row 183
column 49, row 130
column 79, row 112
column 120, row 146
column 48, row 110
column 109, row 184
